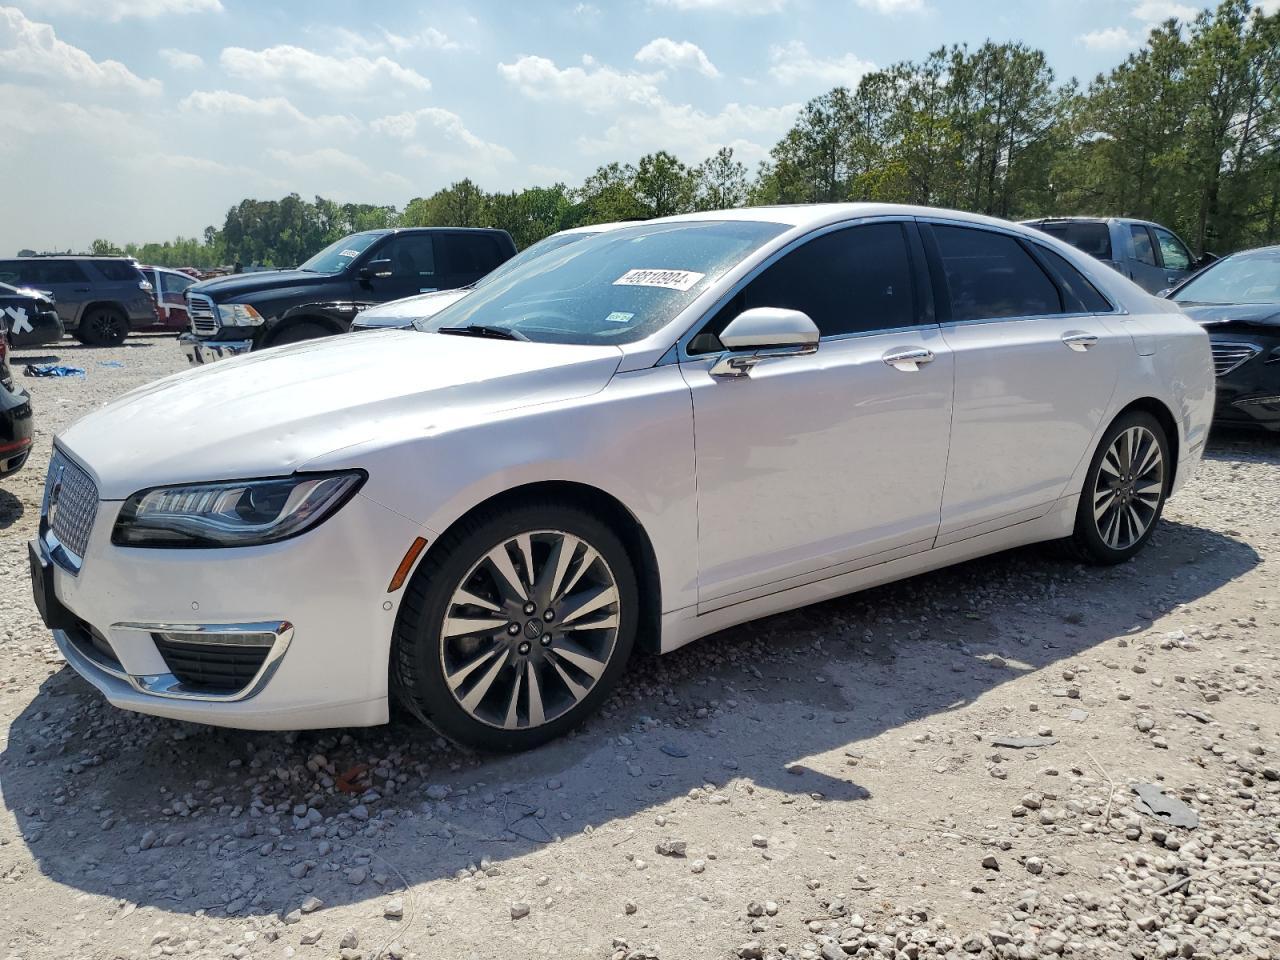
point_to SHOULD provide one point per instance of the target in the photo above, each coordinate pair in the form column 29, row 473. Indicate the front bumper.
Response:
column 17, row 424
column 1249, row 395
column 200, row 352
column 334, row 617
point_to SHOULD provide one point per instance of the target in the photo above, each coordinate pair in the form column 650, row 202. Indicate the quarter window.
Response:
column 989, row 275
column 1172, row 251
column 1080, row 294
column 1143, row 251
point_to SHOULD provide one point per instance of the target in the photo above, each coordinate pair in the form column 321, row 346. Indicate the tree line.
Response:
column 1186, row 132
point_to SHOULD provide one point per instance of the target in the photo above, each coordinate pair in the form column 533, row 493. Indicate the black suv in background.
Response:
column 249, row 311
column 99, row 298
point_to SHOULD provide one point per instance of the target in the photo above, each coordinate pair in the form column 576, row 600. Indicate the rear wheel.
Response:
column 516, row 626
column 103, row 327
column 1125, row 490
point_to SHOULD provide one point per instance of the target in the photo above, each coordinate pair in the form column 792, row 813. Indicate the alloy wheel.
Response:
column 1128, row 488
column 530, row 629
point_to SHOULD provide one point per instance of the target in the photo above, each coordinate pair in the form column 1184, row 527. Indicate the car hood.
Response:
column 227, row 289
column 269, row 413
column 401, row 313
column 1219, row 316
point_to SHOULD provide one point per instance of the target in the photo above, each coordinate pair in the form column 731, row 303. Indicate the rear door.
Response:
column 1035, row 365
column 66, row 280
column 466, row 257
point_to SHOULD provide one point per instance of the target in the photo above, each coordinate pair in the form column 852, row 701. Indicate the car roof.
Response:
column 76, row 256
column 598, row 227
column 812, row 215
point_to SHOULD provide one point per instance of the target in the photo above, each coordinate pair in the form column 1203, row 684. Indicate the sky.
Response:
column 138, row 120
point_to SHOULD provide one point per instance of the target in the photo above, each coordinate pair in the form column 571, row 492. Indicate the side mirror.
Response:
column 764, row 333
column 1164, row 294
column 1205, row 259
column 375, row 268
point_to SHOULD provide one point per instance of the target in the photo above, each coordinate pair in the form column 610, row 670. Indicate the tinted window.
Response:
column 1081, row 295
column 11, row 271
column 1092, row 237
column 117, row 271
column 52, row 271
column 989, row 275
column 1143, row 251
column 848, row 281
column 472, row 252
column 1175, row 255
column 412, row 255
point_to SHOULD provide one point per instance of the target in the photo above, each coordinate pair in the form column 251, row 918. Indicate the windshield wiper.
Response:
column 481, row 330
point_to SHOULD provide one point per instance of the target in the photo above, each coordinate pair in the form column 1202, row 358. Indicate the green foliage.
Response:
column 1185, row 131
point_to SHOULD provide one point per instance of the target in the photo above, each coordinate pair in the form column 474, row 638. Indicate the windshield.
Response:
column 337, row 256
column 615, row 287
column 532, row 252
column 1244, row 278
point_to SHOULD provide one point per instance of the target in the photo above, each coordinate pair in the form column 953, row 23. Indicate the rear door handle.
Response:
column 1078, row 340
column 908, row 361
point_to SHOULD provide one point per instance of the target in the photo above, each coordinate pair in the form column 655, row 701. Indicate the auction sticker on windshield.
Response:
column 668, row 279
column 349, row 253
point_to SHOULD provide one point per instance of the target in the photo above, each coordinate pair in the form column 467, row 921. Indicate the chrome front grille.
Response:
column 204, row 315
column 70, row 504
column 1227, row 355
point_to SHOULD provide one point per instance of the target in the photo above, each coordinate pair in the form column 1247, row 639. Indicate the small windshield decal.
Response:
column 349, row 253
column 668, row 279
column 618, row 316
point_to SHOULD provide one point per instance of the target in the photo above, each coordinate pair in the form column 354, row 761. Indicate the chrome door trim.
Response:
column 733, row 365
column 909, row 360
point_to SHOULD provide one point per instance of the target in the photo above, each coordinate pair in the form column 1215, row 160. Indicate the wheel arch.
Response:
column 113, row 305
column 1164, row 416
column 609, row 508
column 289, row 322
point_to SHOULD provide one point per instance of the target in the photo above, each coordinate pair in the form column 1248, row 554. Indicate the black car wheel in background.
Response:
column 1237, row 300
column 16, row 423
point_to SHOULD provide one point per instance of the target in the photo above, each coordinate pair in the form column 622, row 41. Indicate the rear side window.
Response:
column 117, row 271
column 1081, row 296
column 473, row 252
column 1143, row 250
column 989, row 275
column 1092, row 237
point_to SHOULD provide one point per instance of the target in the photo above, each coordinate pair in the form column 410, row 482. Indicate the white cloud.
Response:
column 116, row 10
column 1157, row 11
column 666, row 52
column 593, row 87
column 384, row 41
column 443, row 124
column 793, row 63
column 746, row 8
column 225, row 103
column 181, row 59
column 892, row 7
column 27, row 46
column 1112, row 38
column 350, row 75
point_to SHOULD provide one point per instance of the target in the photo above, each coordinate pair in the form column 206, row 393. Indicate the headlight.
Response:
column 238, row 315
column 234, row 513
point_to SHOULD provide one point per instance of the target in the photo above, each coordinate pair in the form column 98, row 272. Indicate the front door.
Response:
column 1175, row 258
column 412, row 266
column 1035, row 370
column 811, row 463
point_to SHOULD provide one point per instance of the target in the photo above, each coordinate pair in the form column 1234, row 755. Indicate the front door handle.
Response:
column 908, row 361
column 1078, row 340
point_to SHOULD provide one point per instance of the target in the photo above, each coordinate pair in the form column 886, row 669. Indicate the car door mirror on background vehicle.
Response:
column 376, row 268
column 762, row 333
column 1204, row 260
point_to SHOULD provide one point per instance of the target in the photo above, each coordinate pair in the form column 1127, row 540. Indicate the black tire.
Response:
column 419, row 648
column 1089, row 542
column 103, row 327
column 299, row 332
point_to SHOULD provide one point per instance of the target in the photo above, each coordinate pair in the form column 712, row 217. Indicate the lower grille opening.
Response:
column 93, row 643
column 215, row 667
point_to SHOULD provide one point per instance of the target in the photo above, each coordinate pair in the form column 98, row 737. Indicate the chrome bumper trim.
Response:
column 200, row 352
column 85, row 659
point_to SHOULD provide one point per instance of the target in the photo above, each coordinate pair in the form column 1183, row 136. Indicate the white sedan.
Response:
column 636, row 440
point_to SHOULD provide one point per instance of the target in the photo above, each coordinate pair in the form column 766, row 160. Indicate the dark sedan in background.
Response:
column 30, row 317
column 1237, row 300
column 16, row 424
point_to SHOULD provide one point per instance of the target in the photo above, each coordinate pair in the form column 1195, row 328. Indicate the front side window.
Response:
column 1143, row 251
column 57, row 271
column 989, row 276
column 615, row 287
column 1243, row 278
column 412, row 256
column 853, row 280
column 336, row 257
column 175, row 282
column 1172, row 250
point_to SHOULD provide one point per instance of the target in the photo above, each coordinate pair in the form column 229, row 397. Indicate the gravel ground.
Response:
column 823, row 784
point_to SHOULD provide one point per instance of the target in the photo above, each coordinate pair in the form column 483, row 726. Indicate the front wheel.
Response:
column 1125, row 490
column 516, row 626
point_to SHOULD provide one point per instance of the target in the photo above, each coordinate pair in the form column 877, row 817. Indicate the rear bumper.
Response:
column 45, row 328
column 199, row 352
